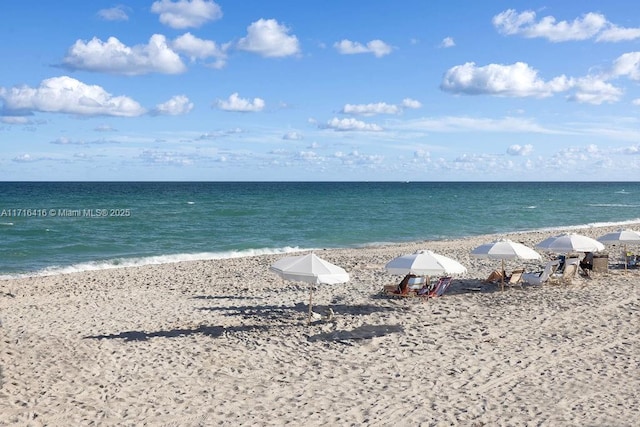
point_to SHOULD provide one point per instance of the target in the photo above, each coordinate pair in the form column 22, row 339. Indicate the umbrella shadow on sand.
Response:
column 360, row 333
column 212, row 331
column 225, row 297
column 267, row 311
column 472, row 286
column 258, row 310
column 276, row 311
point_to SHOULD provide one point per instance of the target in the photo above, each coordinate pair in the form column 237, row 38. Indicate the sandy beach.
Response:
column 226, row 342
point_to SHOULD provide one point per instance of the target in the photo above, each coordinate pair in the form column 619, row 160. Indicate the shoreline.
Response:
column 134, row 262
column 226, row 342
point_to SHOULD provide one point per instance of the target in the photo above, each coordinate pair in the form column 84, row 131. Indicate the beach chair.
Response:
column 516, row 277
column 495, row 276
column 409, row 290
column 416, row 283
column 436, row 290
column 568, row 274
column 633, row 260
column 542, row 276
column 392, row 290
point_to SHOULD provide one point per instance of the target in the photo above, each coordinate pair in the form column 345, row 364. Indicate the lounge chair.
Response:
column 633, row 261
column 495, row 276
column 416, row 283
column 542, row 276
column 407, row 288
column 436, row 290
column 516, row 277
column 569, row 272
column 392, row 290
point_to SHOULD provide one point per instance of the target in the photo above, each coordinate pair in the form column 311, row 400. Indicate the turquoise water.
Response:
column 53, row 227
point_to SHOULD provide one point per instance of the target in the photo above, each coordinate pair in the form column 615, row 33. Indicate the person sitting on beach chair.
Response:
column 437, row 290
column 562, row 259
column 587, row 263
column 496, row 276
column 403, row 287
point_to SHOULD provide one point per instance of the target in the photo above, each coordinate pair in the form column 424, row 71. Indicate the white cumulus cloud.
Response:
column 68, row 95
column 186, row 13
column 520, row 150
column 618, row 34
column 590, row 25
column 511, row 22
column 114, row 57
column 293, row 136
column 517, row 80
column 116, row 13
column 235, row 103
column 351, row 124
column 169, row 158
column 411, row 103
column 266, row 37
column 377, row 47
column 196, row 48
column 593, row 90
column 24, row 158
column 628, row 65
column 14, row 120
column 447, row 42
column 176, row 106
column 373, row 109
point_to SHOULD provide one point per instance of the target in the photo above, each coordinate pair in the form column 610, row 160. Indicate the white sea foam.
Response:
column 6, row 223
column 613, row 205
column 582, row 226
column 151, row 260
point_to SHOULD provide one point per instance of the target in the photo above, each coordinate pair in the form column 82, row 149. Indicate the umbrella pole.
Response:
column 428, row 286
column 310, row 298
column 626, row 259
column 502, row 275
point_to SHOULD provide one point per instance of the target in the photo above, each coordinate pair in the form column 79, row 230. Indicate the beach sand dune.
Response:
column 226, row 342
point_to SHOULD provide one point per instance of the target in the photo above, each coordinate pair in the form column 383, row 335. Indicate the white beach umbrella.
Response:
column 504, row 249
column 572, row 242
column 630, row 237
column 626, row 237
column 309, row 269
column 424, row 263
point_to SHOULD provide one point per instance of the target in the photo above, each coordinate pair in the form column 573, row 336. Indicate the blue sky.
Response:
column 320, row 90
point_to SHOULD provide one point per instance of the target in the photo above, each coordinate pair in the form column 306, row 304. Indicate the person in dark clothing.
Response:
column 587, row 263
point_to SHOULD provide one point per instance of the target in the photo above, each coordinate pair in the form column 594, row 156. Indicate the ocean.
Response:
column 57, row 227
